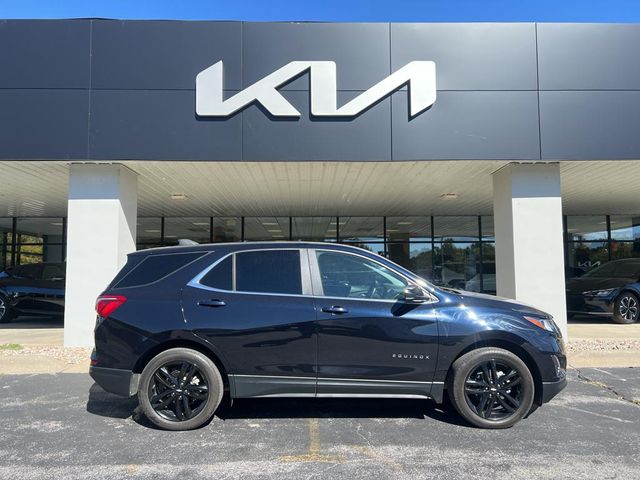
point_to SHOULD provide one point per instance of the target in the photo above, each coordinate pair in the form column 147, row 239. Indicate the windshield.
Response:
column 616, row 270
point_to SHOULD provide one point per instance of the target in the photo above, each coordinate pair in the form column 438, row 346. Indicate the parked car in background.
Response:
column 611, row 290
column 179, row 326
column 32, row 289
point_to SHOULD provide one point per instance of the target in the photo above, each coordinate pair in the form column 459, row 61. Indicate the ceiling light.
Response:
column 152, row 231
column 201, row 224
column 449, row 196
column 179, row 196
column 275, row 231
column 56, row 224
column 277, row 236
column 392, row 230
column 269, row 224
column 405, row 223
column 170, row 236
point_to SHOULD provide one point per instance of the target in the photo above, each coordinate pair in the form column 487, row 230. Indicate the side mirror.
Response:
column 414, row 294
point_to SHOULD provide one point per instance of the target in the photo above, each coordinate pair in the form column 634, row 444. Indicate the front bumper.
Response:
column 551, row 389
column 114, row 380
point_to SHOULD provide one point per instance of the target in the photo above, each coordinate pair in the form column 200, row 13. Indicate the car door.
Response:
column 369, row 340
column 50, row 294
column 256, row 308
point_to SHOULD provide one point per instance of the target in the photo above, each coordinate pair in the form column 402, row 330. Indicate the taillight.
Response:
column 107, row 304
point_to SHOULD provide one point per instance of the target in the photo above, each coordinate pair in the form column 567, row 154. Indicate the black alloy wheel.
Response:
column 626, row 309
column 180, row 389
column 491, row 388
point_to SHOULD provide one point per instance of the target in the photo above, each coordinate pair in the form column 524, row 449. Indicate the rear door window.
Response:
column 269, row 271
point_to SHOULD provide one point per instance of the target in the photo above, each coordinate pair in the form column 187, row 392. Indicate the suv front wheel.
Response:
column 491, row 388
column 180, row 389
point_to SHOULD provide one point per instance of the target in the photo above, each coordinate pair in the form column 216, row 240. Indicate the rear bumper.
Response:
column 114, row 380
column 551, row 389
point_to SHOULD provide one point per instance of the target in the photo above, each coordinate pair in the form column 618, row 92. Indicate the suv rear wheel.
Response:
column 491, row 388
column 180, row 389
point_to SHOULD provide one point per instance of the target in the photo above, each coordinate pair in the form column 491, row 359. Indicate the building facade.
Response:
column 500, row 158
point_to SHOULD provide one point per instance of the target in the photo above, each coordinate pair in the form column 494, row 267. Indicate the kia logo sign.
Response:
column 419, row 76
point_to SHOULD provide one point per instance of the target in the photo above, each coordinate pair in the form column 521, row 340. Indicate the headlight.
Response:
column 599, row 293
column 545, row 323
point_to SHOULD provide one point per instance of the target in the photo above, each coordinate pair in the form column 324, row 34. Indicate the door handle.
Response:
column 212, row 303
column 335, row 309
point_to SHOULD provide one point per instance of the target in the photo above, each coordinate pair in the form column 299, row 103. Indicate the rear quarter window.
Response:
column 155, row 267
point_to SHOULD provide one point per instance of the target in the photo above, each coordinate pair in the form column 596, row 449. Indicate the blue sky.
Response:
column 333, row 10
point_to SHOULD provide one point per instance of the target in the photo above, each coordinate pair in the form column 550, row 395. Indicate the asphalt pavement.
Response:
column 65, row 426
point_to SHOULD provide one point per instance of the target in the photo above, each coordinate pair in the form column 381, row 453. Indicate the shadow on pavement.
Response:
column 105, row 404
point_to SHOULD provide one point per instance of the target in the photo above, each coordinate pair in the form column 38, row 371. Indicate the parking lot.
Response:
column 65, row 426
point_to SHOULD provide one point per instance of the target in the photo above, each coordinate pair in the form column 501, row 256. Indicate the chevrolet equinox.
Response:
column 181, row 326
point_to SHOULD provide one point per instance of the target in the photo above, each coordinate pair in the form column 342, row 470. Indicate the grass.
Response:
column 10, row 346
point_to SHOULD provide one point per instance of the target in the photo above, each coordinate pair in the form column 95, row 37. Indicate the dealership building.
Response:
column 493, row 157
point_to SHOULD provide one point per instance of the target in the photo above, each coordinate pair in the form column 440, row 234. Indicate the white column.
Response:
column 101, row 231
column 527, row 209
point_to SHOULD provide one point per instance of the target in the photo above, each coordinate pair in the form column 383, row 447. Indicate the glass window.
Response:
column 351, row 276
column 156, row 267
column 6, row 240
column 29, row 271
column 408, row 229
column 416, row 257
column 39, row 239
column 53, row 271
column 266, row 228
column 621, row 250
column 220, row 276
column 457, row 229
column 628, row 269
column 587, row 228
column 148, row 232
column 189, row 228
column 488, row 230
column 625, row 227
column 269, row 271
column 39, row 230
column 361, row 229
column 227, row 229
column 455, row 264
column 584, row 256
column 605, row 270
column 315, row 229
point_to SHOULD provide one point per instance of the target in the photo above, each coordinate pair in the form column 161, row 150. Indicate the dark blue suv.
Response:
column 181, row 326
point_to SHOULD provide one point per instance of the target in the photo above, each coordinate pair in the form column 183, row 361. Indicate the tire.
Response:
column 180, row 401
column 6, row 314
column 626, row 308
column 481, row 397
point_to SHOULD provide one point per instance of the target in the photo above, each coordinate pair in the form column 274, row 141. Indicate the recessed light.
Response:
column 449, row 196
column 170, row 236
column 277, row 236
column 179, row 196
column 275, row 231
column 152, row 231
column 269, row 224
column 392, row 230
column 405, row 223
column 201, row 224
column 56, row 224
